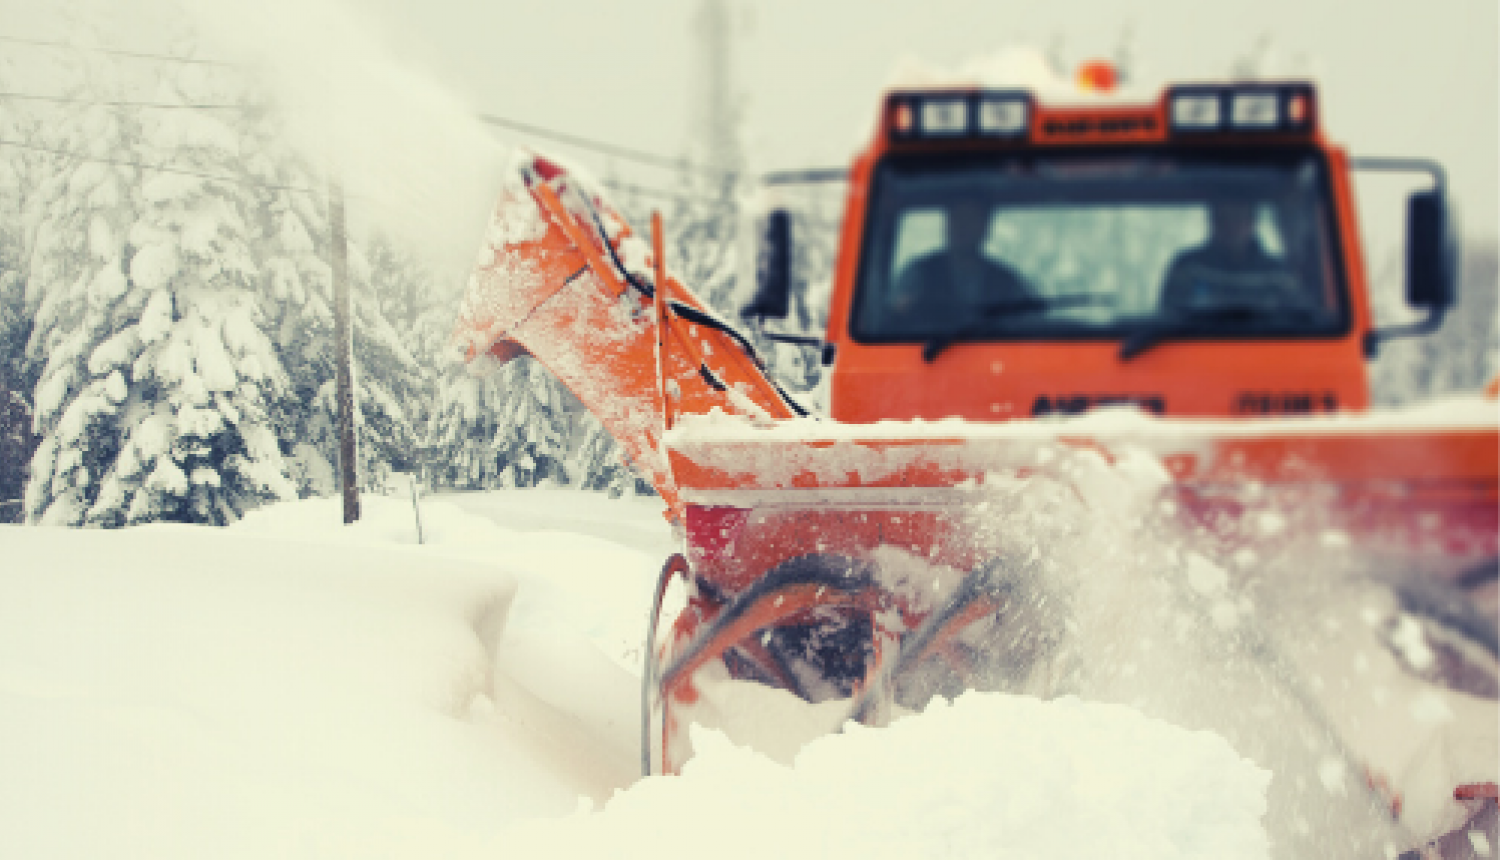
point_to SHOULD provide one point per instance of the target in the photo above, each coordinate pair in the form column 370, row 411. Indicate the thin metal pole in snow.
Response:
column 342, row 349
column 416, row 509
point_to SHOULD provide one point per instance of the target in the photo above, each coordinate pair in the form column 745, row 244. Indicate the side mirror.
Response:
column 1431, row 253
column 773, row 275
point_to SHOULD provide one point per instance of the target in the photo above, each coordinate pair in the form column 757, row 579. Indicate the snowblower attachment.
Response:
column 839, row 572
column 790, row 595
column 562, row 278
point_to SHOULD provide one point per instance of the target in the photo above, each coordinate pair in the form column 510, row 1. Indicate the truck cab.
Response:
column 1198, row 256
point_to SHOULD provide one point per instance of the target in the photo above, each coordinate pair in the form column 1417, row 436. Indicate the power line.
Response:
column 697, row 198
column 159, row 167
column 137, row 55
column 39, row 97
column 658, row 192
column 651, row 158
column 809, row 176
column 781, row 177
column 788, row 177
column 623, row 152
column 600, row 146
column 615, row 184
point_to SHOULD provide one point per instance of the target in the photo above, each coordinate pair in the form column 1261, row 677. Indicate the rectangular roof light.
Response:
column 1005, row 116
column 1256, row 110
column 1199, row 111
column 944, row 117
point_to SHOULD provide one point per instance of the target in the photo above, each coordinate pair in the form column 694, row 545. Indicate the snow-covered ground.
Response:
column 292, row 687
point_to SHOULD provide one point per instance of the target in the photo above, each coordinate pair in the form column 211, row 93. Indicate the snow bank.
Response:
column 566, row 668
column 295, row 688
column 571, row 582
column 990, row 775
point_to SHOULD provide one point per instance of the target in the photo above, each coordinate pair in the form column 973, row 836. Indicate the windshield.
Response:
column 1086, row 246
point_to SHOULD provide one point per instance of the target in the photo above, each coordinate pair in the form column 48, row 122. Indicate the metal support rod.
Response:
column 659, row 300
column 342, row 349
column 416, row 508
column 1403, row 165
column 809, row 176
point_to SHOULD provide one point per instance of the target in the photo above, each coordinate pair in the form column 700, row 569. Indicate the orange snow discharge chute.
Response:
column 561, row 277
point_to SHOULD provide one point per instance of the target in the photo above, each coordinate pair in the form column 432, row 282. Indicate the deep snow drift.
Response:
column 988, row 776
column 294, row 688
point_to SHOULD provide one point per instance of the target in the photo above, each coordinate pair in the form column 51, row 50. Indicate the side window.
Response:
column 919, row 232
column 914, row 233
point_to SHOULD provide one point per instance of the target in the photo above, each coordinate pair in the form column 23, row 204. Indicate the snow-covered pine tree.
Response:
column 29, row 178
column 74, row 279
column 387, row 382
column 158, row 406
column 505, row 429
column 406, row 296
column 289, row 218
column 702, row 241
column 17, row 442
column 599, row 462
column 286, row 217
column 406, row 313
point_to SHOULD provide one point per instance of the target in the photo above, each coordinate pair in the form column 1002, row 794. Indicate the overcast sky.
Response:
column 1397, row 78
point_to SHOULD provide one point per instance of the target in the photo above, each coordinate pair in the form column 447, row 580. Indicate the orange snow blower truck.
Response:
column 1006, row 270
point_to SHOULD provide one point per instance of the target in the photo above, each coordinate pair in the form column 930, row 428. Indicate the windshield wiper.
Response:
column 988, row 314
column 1189, row 322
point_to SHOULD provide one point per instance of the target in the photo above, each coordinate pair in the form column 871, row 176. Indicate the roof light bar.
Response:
column 952, row 115
column 1284, row 108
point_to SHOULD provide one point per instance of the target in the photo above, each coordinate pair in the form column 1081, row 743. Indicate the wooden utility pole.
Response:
column 342, row 351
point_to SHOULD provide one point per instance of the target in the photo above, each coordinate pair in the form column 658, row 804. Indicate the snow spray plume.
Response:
column 414, row 162
column 1130, row 607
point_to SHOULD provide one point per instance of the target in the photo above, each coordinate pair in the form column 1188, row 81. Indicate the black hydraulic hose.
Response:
column 646, row 289
column 697, row 317
column 692, row 315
